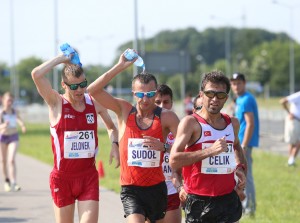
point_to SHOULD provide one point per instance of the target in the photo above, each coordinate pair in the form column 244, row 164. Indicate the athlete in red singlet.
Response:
column 142, row 129
column 73, row 127
column 209, row 152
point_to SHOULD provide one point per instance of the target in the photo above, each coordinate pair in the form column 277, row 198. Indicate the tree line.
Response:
column 261, row 55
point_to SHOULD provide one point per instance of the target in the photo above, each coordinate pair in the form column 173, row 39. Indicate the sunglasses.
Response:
column 74, row 87
column 198, row 108
column 212, row 94
column 148, row 94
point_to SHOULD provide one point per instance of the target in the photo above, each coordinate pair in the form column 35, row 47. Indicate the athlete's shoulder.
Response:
column 235, row 122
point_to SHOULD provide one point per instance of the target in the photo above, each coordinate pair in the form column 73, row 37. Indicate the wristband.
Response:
column 178, row 188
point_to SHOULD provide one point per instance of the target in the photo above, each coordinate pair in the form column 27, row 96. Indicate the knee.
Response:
column 11, row 162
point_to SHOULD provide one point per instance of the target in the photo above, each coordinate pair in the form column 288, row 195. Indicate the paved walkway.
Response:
column 33, row 203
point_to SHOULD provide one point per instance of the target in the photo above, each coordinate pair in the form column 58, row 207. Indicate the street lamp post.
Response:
column 227, row 39
column 135, row 42
column 55, row 71
column 227, row 50
column 14, row 81
column 291, row 46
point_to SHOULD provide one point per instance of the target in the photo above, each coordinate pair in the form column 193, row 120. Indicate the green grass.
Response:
column 270, row 103
column 277, row 186
column 277, row 189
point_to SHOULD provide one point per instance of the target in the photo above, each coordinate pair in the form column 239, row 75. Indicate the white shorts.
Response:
column 291, row 131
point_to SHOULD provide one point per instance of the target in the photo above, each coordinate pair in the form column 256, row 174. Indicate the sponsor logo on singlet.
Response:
column 90, row 118
column 69, row 116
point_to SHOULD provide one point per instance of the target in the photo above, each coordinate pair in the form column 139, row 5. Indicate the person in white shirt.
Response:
column 291, row 104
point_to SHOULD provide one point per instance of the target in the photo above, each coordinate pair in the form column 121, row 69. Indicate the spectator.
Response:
column 291, row 104
column 247, row 113
column 188, row 104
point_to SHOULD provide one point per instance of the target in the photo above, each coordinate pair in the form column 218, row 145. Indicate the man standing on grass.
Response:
column 247, row 113
column 291, row 104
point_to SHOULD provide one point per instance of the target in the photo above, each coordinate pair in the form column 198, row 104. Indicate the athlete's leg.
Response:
column 11, row 160
column 297, row 148
column 136, row 218
column 3, row 147
column 173, row 216
column 88, row 211
column 64, row 214
column 293, row 150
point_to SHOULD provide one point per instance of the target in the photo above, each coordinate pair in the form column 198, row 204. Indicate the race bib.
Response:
column 79, row 144
column 141, row 156
column 224, row 163
column 166, row 167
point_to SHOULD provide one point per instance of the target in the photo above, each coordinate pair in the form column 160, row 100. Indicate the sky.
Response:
column 96, row 28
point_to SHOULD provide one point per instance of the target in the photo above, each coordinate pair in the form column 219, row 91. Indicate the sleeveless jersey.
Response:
column 10, row 118
column 140, row 166
column 74, row 138
column 213, row 176
column 166, row 167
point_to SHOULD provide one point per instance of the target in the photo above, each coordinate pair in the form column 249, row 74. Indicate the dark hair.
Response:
column 145, row 78
column 216, row 77
column 71, row 70
column 164, row 89
column 196, row 107
column 238, row 76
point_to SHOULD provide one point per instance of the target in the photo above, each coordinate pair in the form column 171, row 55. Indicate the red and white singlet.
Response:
column 74, row 138
column 213, row 176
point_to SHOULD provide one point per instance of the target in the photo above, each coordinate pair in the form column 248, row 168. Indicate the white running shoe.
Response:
column 7, row 187
column 291, row 161
column 15, row 187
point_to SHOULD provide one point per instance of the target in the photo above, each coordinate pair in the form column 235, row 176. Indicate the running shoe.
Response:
column 15, row 187
column 7, row 187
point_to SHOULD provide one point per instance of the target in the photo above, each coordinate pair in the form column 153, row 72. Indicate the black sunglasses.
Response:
column 74, row 87
column 212, row 94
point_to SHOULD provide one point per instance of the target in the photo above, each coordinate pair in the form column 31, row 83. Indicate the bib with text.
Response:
column 141, row 156
column 223, row 163
column 79, row 144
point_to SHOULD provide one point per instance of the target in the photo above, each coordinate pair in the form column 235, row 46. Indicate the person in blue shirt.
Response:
column 246, row 112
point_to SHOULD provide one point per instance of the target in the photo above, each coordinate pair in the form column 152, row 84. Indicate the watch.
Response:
column 166, row 147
